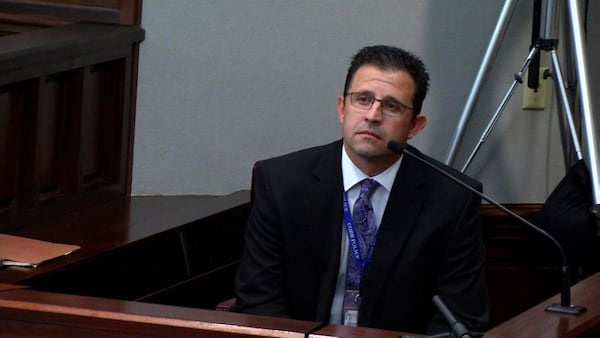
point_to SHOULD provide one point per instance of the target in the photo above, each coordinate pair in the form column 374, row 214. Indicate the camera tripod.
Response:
column 547, row 42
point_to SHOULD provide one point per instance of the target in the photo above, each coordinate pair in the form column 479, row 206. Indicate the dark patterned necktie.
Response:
column 366, row 228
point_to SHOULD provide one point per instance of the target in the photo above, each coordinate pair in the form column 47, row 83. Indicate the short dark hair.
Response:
column 392, row 58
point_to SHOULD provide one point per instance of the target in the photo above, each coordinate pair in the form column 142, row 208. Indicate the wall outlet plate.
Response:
column 535, row 99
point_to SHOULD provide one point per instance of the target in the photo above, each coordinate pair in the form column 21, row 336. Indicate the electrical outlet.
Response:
column 535, row 99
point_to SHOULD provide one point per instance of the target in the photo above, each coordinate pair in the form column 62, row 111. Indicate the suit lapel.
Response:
column 324, row 219
column 399, row 220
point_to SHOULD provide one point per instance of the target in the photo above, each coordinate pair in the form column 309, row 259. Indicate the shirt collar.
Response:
column 352, row 174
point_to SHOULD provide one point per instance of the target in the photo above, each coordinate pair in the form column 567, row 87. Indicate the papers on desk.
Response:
column 28, row 252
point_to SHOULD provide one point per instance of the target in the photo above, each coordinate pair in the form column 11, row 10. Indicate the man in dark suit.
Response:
column 302, row 258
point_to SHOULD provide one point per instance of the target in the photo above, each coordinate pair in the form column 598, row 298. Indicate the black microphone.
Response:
column 458, row 328
column 565, row 305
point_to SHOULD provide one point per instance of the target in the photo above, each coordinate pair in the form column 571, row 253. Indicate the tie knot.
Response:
column 367, row 187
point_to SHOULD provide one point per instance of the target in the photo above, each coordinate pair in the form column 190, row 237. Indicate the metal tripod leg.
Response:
column 562, row 93
column 490, row 54
column 507, row 96
column 590, row 130
column 559, row 84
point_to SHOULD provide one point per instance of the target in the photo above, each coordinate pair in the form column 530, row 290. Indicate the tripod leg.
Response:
column 490, row 54
column 590, row 130
column 559, row 84
column 518, row 79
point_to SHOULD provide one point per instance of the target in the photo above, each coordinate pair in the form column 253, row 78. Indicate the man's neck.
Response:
column 373, row 166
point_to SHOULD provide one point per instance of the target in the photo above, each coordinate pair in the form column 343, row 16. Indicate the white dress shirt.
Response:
column 352, row 175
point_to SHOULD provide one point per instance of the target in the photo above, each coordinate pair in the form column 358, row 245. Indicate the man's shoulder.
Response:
column 304, row 156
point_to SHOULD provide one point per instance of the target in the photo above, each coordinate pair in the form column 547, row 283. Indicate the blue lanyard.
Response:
column 361, row 261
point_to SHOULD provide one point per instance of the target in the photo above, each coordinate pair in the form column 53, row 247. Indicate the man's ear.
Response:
column 339, row 103
column 416, row 125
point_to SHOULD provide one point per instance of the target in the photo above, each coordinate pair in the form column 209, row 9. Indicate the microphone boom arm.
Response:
column 565, row 305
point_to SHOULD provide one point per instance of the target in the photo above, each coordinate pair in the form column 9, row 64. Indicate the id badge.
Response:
column 350, row 310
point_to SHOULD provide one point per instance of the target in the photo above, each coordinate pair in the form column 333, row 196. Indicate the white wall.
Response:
column 225, row 83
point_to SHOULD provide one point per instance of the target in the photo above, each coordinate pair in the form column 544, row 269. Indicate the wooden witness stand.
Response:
column 27, row 312
column 152, row 266
column 33, row 313
column 126, row 301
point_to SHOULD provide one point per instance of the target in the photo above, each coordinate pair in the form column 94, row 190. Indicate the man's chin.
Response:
column 369, row 150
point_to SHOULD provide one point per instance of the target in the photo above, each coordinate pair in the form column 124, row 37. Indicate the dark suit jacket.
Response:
column 429, row 242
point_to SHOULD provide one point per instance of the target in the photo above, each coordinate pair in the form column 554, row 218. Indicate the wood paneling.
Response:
column 11, row 112
column 67, row 104
column 67, row 113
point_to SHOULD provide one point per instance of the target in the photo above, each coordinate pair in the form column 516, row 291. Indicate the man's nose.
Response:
column 374, row 113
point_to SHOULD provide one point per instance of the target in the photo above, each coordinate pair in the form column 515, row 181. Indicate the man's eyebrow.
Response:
column 385, row 98
column 391, row 98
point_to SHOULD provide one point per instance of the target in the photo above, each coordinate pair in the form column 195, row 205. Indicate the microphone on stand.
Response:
column 565, row 305
column 459, row 329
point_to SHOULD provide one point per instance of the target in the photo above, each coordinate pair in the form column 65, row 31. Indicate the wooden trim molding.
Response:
column 42, row 12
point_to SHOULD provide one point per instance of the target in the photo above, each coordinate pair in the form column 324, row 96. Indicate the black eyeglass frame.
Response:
column 381, row 104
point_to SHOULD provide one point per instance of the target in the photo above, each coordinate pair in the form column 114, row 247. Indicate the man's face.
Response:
column 367, row 132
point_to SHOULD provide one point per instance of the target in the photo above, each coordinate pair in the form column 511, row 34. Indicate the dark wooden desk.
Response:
column 153, row 249
column 538, row 323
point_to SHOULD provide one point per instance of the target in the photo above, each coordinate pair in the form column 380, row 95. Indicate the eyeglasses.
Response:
column 389, row 107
